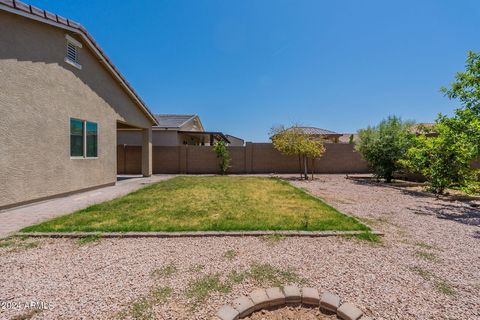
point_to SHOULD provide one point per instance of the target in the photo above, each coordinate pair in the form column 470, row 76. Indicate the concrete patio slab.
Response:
column 14, row 219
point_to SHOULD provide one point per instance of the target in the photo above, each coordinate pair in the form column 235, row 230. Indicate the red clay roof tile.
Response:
column 50, row 16
column 21, row 6
column 62, row 20
column 37, row 11
column 7, row 2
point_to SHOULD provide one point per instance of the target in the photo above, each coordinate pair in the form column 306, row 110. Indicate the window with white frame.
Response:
column 73, row 47
column 83, row 139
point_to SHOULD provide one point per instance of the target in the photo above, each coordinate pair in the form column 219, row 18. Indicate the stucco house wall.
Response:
column 39, row 93
column 159, row 138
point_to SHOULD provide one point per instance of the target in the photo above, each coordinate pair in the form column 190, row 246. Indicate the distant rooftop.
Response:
column 425, row 128
column 317, row 131
column 173, row 120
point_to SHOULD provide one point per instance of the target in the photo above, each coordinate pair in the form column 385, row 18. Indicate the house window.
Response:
column 83, row 139
column 73, row 47
column 92, row 140
column 76, row 138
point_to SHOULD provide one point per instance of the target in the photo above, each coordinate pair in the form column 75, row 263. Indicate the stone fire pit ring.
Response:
column 275, row 297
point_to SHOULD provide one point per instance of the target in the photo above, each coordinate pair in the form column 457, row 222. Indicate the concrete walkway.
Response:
column 12, row 220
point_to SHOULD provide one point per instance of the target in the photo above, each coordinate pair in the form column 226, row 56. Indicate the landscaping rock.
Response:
column 310, row 296
column 329, row 302
column 227, row 312
column 348, row 311
column 275, row 297
column 244, row 306
column 259, row 298
column 293, row 295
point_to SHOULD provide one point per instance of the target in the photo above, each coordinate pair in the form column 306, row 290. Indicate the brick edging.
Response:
column 275, row 297
column 191, row 234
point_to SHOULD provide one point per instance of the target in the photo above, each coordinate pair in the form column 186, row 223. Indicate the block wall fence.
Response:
column 251, row 158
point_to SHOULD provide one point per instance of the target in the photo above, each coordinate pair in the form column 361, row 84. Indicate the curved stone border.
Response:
column 273, row 298
column 191, row 234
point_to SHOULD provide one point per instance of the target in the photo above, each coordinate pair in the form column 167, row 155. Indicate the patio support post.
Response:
column 147, row 152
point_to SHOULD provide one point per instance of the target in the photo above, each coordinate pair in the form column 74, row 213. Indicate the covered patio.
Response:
column 145, row 151
column 203, row 138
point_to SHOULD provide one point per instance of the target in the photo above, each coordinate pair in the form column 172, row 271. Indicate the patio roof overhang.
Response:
column 219, row 136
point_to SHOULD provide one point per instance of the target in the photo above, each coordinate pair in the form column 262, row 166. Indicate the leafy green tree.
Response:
column 443, row 159
column 293, row 141
column 446, row 158
column 383, row 145
column 220, row 148
column 466, row 88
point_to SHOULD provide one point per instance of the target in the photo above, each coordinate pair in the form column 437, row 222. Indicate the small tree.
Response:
column 384, row 145
column 293, row 141
column 220, row 148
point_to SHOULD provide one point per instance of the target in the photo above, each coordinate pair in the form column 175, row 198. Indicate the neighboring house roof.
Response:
column 173, row 120
column 229, row 135
column 417, row 127
column 318, row 131
column 177, row 121
column 217, row 134
column 28, row 11
column 424, row 128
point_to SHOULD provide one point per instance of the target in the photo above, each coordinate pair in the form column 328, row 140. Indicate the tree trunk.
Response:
column 388, row 178
column 305, row 168
column 313, row 167
column 300, row 166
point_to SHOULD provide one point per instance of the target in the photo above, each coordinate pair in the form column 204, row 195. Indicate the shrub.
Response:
column 220, row 148
column 445, row 159
column 384, row 145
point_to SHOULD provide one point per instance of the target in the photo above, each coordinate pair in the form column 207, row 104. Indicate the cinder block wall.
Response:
column 251, row 158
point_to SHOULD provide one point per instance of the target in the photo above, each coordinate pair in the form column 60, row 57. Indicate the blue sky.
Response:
column 244, row 66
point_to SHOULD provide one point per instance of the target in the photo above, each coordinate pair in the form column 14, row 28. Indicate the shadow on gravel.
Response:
column 465, row 215
column 400, row 186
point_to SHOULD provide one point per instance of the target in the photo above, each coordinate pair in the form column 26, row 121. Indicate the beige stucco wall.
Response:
column 159, row 138
column 39, row 93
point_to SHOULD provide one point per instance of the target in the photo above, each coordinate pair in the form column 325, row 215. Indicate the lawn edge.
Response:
column 192, row 234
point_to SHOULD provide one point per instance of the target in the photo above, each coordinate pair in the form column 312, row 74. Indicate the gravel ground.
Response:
column 427, row 266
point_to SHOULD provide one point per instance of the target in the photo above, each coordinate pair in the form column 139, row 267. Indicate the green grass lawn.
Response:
column 194, row 203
